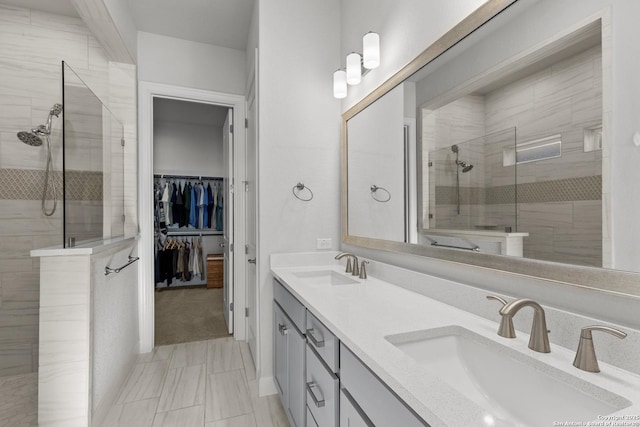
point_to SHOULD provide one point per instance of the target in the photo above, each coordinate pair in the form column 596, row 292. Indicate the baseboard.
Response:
column 266, row 387
column 100, row 414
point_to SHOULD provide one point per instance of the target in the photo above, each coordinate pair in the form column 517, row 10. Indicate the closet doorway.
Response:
column 188, row 164
column 193, row 213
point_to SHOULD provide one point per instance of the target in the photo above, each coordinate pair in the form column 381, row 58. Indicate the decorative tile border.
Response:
column 27, row 184
column 559, row 190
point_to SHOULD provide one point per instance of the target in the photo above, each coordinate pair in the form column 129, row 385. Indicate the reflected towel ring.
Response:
column 375, row 188
column 300, row 186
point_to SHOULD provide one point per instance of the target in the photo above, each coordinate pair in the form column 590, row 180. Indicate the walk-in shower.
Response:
column 34, row 139
column 466, row 167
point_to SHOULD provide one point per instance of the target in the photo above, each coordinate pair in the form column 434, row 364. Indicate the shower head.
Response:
column 30, row 138
column 56, row 110
column 464, row 165
column 454, row 148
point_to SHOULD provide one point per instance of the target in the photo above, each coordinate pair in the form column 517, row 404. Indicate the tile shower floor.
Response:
column 204, row 384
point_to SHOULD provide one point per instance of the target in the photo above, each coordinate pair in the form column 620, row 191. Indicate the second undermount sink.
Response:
column 324, row 277
column 513, row 388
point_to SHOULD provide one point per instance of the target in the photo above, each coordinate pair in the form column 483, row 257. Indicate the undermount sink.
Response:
column 324, row 277
column 512, row 387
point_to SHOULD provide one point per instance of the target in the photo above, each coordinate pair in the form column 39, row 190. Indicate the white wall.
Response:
column 376, row 157
column 411, row 35
column 123, row 20
column 185, row 63
column 187, row 149
column 299, row 139
column 406, row 28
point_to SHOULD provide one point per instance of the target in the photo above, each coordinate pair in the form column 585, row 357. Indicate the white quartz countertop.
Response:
column 90, row 248
column 363, row 314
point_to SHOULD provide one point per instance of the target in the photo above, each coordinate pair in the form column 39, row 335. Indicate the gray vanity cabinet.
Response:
column 289, row 354
column 371, row 396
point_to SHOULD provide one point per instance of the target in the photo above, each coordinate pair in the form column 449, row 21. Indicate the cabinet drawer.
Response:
column 322, row 391
column 290, row 305
column 323, row 341
column 350, row 414
column 377, row 402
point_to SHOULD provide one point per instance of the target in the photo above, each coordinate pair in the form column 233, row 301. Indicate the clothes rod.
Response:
column 198, row 177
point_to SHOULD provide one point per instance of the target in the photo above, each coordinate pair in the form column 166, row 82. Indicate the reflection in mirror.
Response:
column 508, row 151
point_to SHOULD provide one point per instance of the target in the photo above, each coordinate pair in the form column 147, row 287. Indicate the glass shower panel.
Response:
column 92, row 165
column 471, row 187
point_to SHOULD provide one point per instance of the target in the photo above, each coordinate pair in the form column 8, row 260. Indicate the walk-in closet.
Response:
column 190, row 167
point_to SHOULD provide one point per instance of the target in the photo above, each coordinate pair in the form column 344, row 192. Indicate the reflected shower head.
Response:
column 464, row 165
column 30, row 138
column 454, row 148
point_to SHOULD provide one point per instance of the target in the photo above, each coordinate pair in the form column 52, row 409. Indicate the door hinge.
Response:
column 246, row 186
column 246, row 249
column 246, row 123
column 430, row 164
column 246, row 312
column 122, row 142
column 430, row 216
column 231, row 247
column 123, row 218
column 231, row 306
column 231, row 128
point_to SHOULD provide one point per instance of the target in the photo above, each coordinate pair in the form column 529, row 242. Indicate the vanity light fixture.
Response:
column 369, row 60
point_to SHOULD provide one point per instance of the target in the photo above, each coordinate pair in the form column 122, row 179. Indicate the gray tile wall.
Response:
column 32, row 46
column 559, row 200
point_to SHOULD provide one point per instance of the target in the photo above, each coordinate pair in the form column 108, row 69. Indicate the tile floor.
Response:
column 204, row 384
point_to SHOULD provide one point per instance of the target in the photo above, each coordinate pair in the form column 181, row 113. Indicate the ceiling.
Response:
column 218, row 22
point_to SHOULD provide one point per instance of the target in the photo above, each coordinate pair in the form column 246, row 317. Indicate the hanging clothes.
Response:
column 178, row 207
column 205, row 207
column 209, row 205
column 219, row 210
column 166, row 199
column 201, row 193
column 192, row 208
column 186, row 197
column 172, row 203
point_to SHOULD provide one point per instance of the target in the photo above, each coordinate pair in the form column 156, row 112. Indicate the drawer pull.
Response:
column 317, row 342
column 310, row 387
column 282, row 328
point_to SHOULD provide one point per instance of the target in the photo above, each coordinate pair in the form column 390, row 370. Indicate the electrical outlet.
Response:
column 324, row 243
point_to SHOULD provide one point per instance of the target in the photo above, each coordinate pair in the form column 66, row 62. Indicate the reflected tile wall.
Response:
column 32, row 46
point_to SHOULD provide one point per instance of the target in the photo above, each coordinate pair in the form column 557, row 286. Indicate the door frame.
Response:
column 146, row 287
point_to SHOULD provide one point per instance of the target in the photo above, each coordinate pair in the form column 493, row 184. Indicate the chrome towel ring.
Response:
column 375, row 188
column 300, row 187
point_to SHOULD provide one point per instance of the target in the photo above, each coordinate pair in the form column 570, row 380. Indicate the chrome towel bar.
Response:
column 109, row 270
column 474, row 249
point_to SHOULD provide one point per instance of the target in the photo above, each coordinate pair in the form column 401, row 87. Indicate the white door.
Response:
column 227, row 220
column 251, row 166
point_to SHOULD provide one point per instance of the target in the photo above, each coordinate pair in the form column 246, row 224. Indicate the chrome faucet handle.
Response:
column 586, row 354
column 356, row 268
column 363, row 269
column 539, row 337
column 506, row 328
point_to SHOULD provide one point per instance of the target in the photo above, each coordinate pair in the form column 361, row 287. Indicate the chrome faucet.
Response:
column 539, row 338
column 363, row 269
column 354, row 270
column 586, row 354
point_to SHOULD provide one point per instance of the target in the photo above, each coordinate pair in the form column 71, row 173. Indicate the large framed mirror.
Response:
column 507, row 144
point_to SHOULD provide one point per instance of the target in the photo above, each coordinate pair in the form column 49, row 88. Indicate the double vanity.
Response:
column 361, row 352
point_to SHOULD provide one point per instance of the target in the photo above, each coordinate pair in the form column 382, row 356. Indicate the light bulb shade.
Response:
column 354, row 69
column 340, row 84
column 371, row 50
